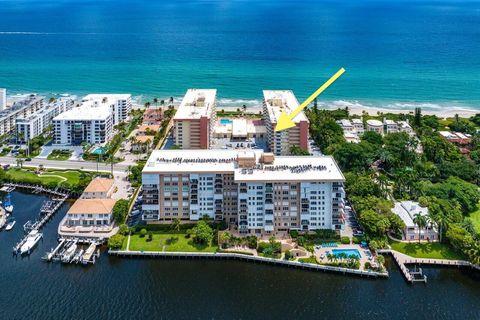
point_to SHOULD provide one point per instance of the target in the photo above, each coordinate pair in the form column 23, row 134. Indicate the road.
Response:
column 67, row 164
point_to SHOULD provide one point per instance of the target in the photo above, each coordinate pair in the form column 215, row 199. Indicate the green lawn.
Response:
column 59, row 177
column 475, row 218
column 433, row 250
column 60, row 155
column 166, row 242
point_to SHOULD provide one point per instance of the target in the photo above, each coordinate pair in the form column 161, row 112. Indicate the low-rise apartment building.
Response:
column 33, row 125
column 194, row 121
column 19, row 109
column 98, row 188
column 253, row 191
column 91, row 216
column 275, row 102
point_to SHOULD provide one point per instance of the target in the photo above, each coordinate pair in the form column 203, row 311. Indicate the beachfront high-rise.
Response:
column 194, row 121
column 275, row 102
column 253, row 191
column 93, row 121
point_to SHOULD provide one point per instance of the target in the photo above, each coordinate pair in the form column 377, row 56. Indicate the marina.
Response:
column 47, row 211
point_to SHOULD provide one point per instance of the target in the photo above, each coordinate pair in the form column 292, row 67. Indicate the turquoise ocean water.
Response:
column 397, row 54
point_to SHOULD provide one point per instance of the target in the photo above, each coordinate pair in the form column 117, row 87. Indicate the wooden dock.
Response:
column 403, row 260
column 47, row 211
column 239, row 256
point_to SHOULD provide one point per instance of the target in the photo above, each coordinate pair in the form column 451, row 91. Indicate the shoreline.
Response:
column 444, row 109
column 372, row 111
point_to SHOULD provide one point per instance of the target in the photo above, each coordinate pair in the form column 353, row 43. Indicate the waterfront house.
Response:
column 407, row 210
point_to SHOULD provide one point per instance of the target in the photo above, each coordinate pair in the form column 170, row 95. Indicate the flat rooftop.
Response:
column 283, row 168
column 109, row 97
column 85, row 113
column 281, row 100
column 196, row 103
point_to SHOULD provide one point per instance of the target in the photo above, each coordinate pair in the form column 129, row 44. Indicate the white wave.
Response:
column 24, row 32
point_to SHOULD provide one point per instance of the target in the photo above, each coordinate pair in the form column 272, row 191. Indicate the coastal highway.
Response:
column 67, row 164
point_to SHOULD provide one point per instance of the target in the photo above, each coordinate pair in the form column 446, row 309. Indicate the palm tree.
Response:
column 20, row 163
column 421, row 222
column 155, row 100
column 147, row 105
column 175, row 224
column 441, row 221
column 384, row 184
column 244, row 108
column 170, row 101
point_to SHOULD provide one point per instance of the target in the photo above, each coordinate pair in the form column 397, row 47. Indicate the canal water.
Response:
column 119, row 288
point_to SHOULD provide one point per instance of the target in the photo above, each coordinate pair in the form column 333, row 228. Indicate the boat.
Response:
column 32, row 239
column 8, row 204
column 69, row 253
column 87, row 256
column 10, row 225
column 3, row 218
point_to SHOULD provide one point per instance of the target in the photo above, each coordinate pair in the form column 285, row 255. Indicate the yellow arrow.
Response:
column 285, row 121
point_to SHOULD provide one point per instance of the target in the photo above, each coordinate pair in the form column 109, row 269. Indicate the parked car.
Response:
column 28, row 159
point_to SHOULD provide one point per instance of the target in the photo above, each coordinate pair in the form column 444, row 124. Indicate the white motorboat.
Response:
column 3, row 219
column 69, row 253
column 32, row 239
column 10, row 225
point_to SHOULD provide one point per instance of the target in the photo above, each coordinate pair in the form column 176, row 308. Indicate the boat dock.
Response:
column 417, row 275
column 48, row 210
column 7, row 189
column 69, row 251
column 239, row 256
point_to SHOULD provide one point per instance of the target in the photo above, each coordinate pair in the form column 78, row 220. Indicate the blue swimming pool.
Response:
column 348, row 252
column 225, row 121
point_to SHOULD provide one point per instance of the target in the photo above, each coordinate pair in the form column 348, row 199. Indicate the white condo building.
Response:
column 93, row 121
column 3, row 98
column 33, row 125
column 253, row 191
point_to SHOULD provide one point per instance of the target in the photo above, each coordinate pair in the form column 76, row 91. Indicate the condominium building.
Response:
column 194, row 121
column 3, row 98
column 93, row 121
column 91, row 216
column 275, row 102
column 253, row 191
column 22, row 108
column 33, row 125
column 119, row 104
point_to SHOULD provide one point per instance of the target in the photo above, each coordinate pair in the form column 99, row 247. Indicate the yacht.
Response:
column 32, row 239
column 10, row 225
column 69, row 253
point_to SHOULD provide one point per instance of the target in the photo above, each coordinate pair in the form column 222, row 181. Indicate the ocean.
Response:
column 398, row 54
column 123, row 288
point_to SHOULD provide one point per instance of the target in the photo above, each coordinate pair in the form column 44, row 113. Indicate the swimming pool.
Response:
column 225, row 121
column 348, row 252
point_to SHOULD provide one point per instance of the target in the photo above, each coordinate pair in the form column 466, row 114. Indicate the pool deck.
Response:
column 322, row 252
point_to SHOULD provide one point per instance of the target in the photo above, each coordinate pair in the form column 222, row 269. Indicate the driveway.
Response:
column 77, row 152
